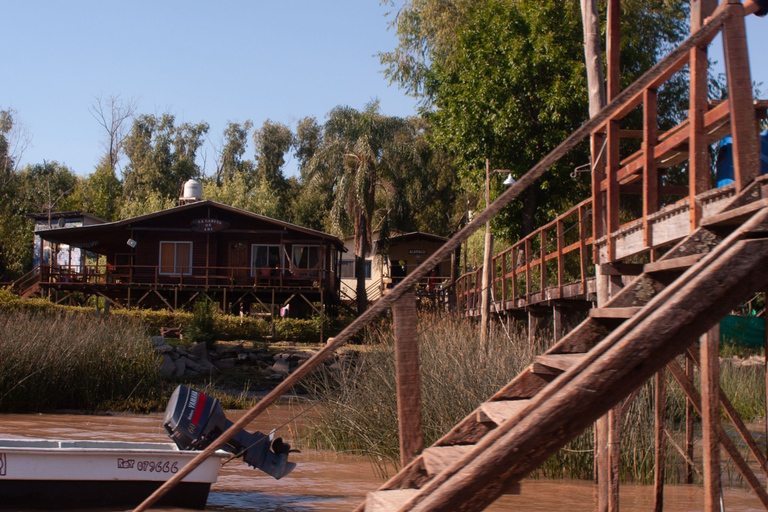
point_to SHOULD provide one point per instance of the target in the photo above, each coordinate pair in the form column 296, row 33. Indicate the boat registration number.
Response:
column 149, row 466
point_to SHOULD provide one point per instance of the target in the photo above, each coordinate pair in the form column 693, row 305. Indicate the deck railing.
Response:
column 552, row 257
column 208, row 277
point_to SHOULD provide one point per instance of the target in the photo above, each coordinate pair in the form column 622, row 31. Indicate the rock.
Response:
column 180, row 367
column 167, row 366
column 207, row 366
column 242, row 357
column 191, row 365
column 157, row 341
column 199, row 350
column 225, row 364
column 164, row 348
column 181, row 351
column 281, row 367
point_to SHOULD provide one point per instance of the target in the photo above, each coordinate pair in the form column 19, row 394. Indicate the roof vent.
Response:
column 192, row 191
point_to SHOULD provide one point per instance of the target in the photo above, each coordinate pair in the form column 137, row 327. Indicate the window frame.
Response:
column 176, row 265
column 280, row 256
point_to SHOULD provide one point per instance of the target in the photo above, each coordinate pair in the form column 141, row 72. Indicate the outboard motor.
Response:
column 194, row 420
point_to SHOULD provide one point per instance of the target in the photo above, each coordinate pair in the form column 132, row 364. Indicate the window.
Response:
column 265, row 260
column 307, row 257
column 348, row 269
column 176, row 258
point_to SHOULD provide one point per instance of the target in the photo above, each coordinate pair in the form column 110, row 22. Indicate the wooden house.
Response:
column 384, row 269
column 167, row 259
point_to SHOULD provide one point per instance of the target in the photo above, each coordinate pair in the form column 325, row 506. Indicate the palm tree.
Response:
column 362, row 152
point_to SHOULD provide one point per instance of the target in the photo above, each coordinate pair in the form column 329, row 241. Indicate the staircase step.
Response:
column 673, row 264
column 613, row 313
column 388, row 501
column 501, row 411
column 736, row 216
column 556, row 363
column 437, row 458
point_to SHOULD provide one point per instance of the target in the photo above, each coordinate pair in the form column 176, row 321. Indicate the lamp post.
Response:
column 485, row 295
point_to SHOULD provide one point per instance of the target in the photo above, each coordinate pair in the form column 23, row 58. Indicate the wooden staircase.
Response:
column 614, row 351
column 28, row 285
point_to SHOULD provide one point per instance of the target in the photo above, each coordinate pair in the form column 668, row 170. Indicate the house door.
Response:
column 238, row 261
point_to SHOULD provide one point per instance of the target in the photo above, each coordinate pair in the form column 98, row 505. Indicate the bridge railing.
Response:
column 541, row 266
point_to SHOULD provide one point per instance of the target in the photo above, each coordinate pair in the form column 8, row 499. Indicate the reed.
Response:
column 73, row 361
column 358, row 409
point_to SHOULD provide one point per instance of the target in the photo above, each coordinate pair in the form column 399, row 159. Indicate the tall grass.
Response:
column 358, row 411
column 61, row 361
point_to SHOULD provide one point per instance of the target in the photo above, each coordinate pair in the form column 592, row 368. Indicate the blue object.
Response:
column 724, row 160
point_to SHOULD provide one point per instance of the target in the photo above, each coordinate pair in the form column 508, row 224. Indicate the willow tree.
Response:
column 362, row 152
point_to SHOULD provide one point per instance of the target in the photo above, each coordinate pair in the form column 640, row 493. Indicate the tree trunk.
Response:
column 362, row 295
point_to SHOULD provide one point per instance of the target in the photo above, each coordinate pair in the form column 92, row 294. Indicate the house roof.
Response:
column 37, row 216
column 92, row 236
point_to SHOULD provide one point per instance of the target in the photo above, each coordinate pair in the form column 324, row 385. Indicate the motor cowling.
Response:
column 194, row 420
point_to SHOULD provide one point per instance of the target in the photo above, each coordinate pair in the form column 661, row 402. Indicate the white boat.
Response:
column 51, row 474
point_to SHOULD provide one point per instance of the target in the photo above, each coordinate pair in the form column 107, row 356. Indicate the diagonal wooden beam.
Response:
column 690, row 390
column 735, row 418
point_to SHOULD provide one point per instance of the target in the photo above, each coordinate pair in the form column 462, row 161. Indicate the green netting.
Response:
column 745, row 331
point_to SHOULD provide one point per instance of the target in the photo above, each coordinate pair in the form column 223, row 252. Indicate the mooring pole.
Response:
column 408, row 377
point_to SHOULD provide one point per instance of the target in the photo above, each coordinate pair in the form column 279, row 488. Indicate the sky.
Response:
column 206, row 61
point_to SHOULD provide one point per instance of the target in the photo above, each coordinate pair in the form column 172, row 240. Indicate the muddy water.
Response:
column 325, row 481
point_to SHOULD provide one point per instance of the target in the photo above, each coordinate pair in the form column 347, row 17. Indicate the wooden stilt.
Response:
column 408, row 379
column 710, row 418
column 614, row 451
column 557, row 322
column 659, row 410
column 602, row 461
column 689, row 424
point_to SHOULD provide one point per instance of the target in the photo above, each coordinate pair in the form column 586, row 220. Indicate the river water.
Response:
column 325, row 481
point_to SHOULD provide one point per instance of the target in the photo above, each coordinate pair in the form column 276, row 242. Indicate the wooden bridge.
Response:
column 703, row 255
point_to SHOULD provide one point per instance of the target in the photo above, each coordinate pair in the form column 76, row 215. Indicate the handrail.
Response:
column 519, row 259
column 706, row 32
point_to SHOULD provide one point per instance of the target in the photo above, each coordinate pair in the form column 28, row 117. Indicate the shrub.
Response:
column 204, row 326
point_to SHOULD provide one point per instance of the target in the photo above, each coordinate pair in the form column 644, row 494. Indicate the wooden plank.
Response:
column 746, row 144
column 543, row 261
column 558, row 362
column 437, row 458
column 735, row 216
column 673, row 264
column 405, row 321
column 612, row 194
column 689, row 427
column 621, row 313
column 622, row 269
column 389, row 500
column 499, row 412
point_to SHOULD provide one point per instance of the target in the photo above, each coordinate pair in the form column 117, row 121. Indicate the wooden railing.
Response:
column 152, row 275
column 543, row 263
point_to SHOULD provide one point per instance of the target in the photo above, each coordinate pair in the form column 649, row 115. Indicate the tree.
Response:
column 14, row 140
column 358, row 153
column 506, row 81
column 112, row 113
column 230, row 160
column 272, row 142
column 161, row 157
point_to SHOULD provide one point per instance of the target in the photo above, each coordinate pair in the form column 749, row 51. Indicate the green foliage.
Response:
column 506, row 81
column 161, row 157
column 204, row 326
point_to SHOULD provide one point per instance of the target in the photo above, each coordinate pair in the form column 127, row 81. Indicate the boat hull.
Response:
column 51, row 474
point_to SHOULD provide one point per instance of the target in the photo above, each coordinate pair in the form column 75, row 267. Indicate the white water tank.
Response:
column 192, row 191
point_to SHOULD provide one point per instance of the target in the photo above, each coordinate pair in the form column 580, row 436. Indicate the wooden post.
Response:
column 660, row 410
column 689, row 424
column 557, row 322
column 614, row 455
column 527, row 270
column 485, row 292
column 698, row 168
column 710, row 418
column 583, row 247
column 746, row 144
column 543, row 264
column 408, row 379
column 650, row 169
column 504, row 279
column 560, row 258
